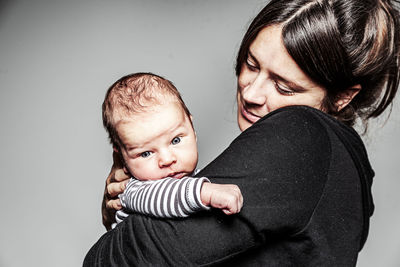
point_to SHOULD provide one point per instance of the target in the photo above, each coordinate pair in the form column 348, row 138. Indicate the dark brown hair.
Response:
column 134, row 93
column 339, row 44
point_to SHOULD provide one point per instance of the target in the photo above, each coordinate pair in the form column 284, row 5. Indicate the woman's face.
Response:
column 271, row 79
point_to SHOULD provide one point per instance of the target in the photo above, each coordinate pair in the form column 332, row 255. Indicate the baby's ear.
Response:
column 115, row 149
column 344, row 98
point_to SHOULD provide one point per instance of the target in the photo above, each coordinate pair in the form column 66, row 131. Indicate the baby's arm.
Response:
column 164, row 198
column 170, row 197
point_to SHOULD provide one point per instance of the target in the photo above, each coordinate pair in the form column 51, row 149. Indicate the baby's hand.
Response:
column 222, row 196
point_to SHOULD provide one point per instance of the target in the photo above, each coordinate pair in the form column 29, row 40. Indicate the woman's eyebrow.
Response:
column 252, row 56
column 276, row 76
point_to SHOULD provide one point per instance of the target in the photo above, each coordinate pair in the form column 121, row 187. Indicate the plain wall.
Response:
column 57, row 58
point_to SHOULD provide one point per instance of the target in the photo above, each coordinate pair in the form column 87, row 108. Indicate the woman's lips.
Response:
column 249, row 116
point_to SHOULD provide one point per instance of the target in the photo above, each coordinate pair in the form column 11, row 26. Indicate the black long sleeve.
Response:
column 282, row 165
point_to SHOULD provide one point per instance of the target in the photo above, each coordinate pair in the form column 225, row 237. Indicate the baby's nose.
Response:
column 167, row 158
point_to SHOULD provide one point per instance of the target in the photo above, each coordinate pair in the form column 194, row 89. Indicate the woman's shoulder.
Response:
column 297, row 115
column 306, row 121
column 301, row 124
column 314, row 124
column 289, row 133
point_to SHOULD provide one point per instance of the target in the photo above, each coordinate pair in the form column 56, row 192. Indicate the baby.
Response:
column 151, row 128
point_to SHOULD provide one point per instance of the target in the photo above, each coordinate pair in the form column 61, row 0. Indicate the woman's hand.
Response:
column 115, row 184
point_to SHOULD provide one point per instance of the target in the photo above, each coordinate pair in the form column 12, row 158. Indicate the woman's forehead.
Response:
column 270, row 53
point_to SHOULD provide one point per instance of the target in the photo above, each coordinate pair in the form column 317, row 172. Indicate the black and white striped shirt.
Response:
column 164, row 198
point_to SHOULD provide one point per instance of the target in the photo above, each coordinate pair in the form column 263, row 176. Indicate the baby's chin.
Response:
column 176, row 175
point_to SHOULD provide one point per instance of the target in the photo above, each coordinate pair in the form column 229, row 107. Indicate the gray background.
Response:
column 56, row 60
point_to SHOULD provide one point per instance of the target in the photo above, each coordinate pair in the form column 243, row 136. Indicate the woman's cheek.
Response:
column 246, row 76
column 242, row 81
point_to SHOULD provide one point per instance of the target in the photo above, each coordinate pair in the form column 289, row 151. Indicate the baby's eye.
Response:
column 145, row 154
column 176, row 140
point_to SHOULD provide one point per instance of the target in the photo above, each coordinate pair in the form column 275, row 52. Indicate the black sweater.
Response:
column 306, row 182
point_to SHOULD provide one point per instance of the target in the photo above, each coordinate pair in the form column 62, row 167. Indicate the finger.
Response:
column 125, row 169
column 237, row 208
column 240, row 202
column 239, row 199
column 238, row 205
column 110, row 178
column 117, row 164
column 232, row 208
column 227, row 212
column 114, row 204
column 114, row 189
column 120, row 175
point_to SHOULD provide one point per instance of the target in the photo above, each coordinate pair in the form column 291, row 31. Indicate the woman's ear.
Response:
column 344, row 98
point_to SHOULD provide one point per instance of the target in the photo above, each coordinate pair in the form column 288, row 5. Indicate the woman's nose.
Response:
column 166, row 158
column 255, row 93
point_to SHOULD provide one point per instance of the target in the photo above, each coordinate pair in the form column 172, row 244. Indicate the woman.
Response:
column 307, row 69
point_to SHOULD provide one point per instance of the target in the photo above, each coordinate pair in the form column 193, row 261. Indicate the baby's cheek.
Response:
column 192, row 160
column 142, row 170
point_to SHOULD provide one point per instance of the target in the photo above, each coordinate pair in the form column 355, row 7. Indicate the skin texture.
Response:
column 158, row 143
column 271, row 79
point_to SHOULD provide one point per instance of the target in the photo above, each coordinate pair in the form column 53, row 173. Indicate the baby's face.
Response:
column 158, row 143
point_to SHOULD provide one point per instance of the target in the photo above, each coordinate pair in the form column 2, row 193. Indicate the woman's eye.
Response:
column 176, row 140
column 145, row 154
column 283, row 89
column 251, row 65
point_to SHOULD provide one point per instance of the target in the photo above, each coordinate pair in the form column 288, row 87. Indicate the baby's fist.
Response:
column 222, row 196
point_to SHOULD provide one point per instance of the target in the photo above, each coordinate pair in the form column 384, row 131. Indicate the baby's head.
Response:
column 150, row 126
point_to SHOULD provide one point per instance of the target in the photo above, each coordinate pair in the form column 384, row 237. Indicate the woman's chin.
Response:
column 243, row 123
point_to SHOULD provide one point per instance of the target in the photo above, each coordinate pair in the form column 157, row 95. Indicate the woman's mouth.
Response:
column 250, row 117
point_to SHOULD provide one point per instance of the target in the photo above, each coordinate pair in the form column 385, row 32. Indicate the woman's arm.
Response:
column 280, row 165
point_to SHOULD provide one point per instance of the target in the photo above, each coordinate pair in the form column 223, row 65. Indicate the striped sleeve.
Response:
column 164, row 198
